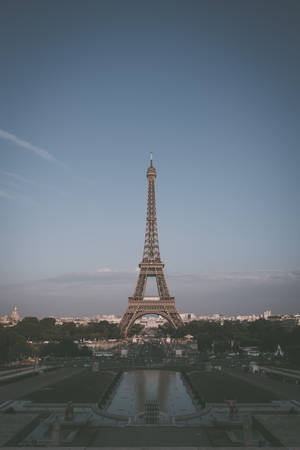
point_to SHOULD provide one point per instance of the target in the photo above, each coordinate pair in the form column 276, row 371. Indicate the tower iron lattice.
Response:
column 151, row 266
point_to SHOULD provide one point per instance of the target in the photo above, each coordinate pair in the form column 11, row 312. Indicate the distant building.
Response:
column 111, row 318
column 186, row 317
column 15, row 316
column 267, row 314
column 5, row 320
column 151, row 321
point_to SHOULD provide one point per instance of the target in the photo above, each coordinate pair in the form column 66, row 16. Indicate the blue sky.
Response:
column 87, row 90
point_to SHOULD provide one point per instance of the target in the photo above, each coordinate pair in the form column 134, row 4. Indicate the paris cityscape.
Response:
column 150, row 270
column 202, row 360
column 155, row 321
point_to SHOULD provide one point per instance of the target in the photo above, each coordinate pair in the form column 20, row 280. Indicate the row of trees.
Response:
column 65, row 348
column 13, row 346
column 34, row 337
column 264, row 334
column 27, row 338
column 46, row 329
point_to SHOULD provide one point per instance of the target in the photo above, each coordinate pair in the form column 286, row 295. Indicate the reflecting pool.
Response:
column 138, row 386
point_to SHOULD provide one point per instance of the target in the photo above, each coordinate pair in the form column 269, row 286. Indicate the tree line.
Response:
column 231, row 335
column 27, row 338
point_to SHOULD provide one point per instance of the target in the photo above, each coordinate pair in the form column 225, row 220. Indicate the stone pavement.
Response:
column 141, row 436
column 12, row 425
column 284, row 429
column 141, row 448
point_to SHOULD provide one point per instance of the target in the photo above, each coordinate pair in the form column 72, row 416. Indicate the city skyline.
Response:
column 88, row 92
column 15, row 316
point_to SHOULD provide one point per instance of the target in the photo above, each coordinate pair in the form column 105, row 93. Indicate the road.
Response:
column 285, row 391
column 18, row 389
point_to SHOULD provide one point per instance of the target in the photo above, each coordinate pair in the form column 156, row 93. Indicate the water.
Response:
column 138, row 386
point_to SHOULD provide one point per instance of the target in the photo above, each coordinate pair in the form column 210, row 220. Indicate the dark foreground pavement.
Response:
column 143, row 436
column 18, row 389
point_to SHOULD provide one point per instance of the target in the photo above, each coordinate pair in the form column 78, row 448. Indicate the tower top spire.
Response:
column 151, row 170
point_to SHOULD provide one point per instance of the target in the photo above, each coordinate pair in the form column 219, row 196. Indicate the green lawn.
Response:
column 85, row 387
column 217, row 387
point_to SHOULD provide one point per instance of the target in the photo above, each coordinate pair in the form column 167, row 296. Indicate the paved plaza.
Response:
column 142, row 436
column 285, row 430
column 13, row 425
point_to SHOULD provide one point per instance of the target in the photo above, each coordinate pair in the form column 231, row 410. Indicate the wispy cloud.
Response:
column 17, row 181
column 264, row 275
column 107, row 291
column 16, row 177
column 214, row 278
column 116, row 271
column 18, row 196
column 4, row 194
column 42, row 153
column 104, row 270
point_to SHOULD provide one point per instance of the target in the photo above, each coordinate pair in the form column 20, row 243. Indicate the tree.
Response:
column 65, row 348
column 30, row 328
column 13, row 346
column 135, row 329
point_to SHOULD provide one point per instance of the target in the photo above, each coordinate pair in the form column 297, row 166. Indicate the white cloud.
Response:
column 21, row 143
column 104, row 270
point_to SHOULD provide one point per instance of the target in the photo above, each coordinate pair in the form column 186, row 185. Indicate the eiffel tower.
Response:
column 151, row 266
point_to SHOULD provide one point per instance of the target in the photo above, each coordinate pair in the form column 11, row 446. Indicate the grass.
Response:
column 217, row 387
column 17, row 378
column 85, row 387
